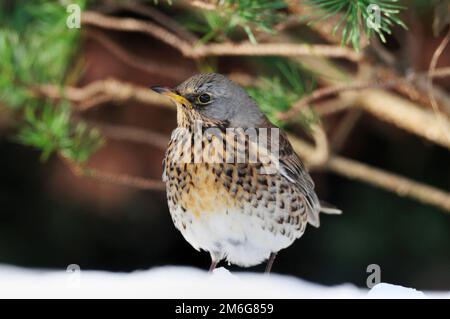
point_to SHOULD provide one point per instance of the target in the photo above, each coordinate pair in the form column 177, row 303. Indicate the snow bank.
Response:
column 180, row 282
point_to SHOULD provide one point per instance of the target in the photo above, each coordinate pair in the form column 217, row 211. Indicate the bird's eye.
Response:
column 204, row 98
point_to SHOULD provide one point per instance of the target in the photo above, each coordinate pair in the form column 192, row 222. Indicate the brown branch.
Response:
column 386, row 180
column 405, row 115
column 216, row 49
column 157, row 68
column 386, row 106
column 392, row 182
column 335, row 105
column 158, row 16
column 204, row 5
column 415, row 87
column 440, row 73
column 434, row 60
column 318, row 155
column 326, row 92
column 279, row 49
column 358, row 85
column 117, row 179
column 344, row 129
column 135, row 25
column 132, row 134
column 117, row 90
column 94, row 101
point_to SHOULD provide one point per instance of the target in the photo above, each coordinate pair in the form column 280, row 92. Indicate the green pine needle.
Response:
column 356, row 18
column 278, row 93
column 36, row 47
column 51, row 130
column 247, row 15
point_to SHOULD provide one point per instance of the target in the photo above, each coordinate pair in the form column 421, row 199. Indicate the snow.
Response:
column 383, row 290
column 181, row 282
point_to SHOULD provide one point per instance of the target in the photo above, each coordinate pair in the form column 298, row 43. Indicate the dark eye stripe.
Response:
column 190, row 97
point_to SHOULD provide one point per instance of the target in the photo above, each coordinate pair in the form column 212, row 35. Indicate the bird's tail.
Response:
column 321, row 207
column 329, row 209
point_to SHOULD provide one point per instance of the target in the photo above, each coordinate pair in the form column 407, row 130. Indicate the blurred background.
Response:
column 54, row 132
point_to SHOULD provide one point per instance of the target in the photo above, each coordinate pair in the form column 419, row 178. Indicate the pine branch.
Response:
column 215, row 49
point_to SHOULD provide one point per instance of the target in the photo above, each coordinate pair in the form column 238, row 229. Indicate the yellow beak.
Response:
column 178, row 99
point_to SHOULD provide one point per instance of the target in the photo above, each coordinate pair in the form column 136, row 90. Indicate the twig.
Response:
column 412, row 86
column 405, row 114
column 94, row 101
column 386, row 180
column 149, row 66
column 117, row 179
column 158, row 16
column 385, row 106
column 440, row 73
column 358, row 85
column 344, row 129
column 387, row 57
column 130, row 24
column 117, row 90
column 432, row 68
column 216, row 49
column 203, row 5
column 318, row 155
column 442, row 96
column 279, row 49
column 332, row 106
column 326, row 92
column 392, row 182
column 131, row 134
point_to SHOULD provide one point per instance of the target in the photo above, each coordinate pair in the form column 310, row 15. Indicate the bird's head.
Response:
column 212, row 96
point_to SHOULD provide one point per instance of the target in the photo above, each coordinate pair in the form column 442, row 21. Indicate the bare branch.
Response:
column 320, row 154
column 117, row 179
column 205, row 5
column 357, row 85
column 157, row 68
column 130, row 24
column 441, row 120
column 326, row 92
column 386, row 180
column 332, row 106
column 158, row 16
column 221, row 49
column 440, row 73
column 386, row 106
column 279, row 49
column 405, row 115
column 117, row 90
column 132, row 134
column 392, row 182
column 414, row 86
column 344, row 129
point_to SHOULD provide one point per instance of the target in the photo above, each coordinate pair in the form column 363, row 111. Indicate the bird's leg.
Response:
column 270, row 262
column 213, row 265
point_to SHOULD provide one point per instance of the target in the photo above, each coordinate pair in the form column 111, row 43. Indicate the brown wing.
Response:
column 292, row 168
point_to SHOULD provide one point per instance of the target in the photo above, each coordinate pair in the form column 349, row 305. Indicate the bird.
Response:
column 237, row 210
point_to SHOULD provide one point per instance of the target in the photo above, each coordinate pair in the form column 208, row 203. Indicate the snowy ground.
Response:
column 181, row 282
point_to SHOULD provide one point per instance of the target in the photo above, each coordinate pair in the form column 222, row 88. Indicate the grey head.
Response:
column 216, row 97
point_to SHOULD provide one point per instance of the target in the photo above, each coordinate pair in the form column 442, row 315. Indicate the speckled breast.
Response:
column 196, row 190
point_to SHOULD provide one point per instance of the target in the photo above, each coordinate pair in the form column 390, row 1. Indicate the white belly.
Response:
column 240, row 238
